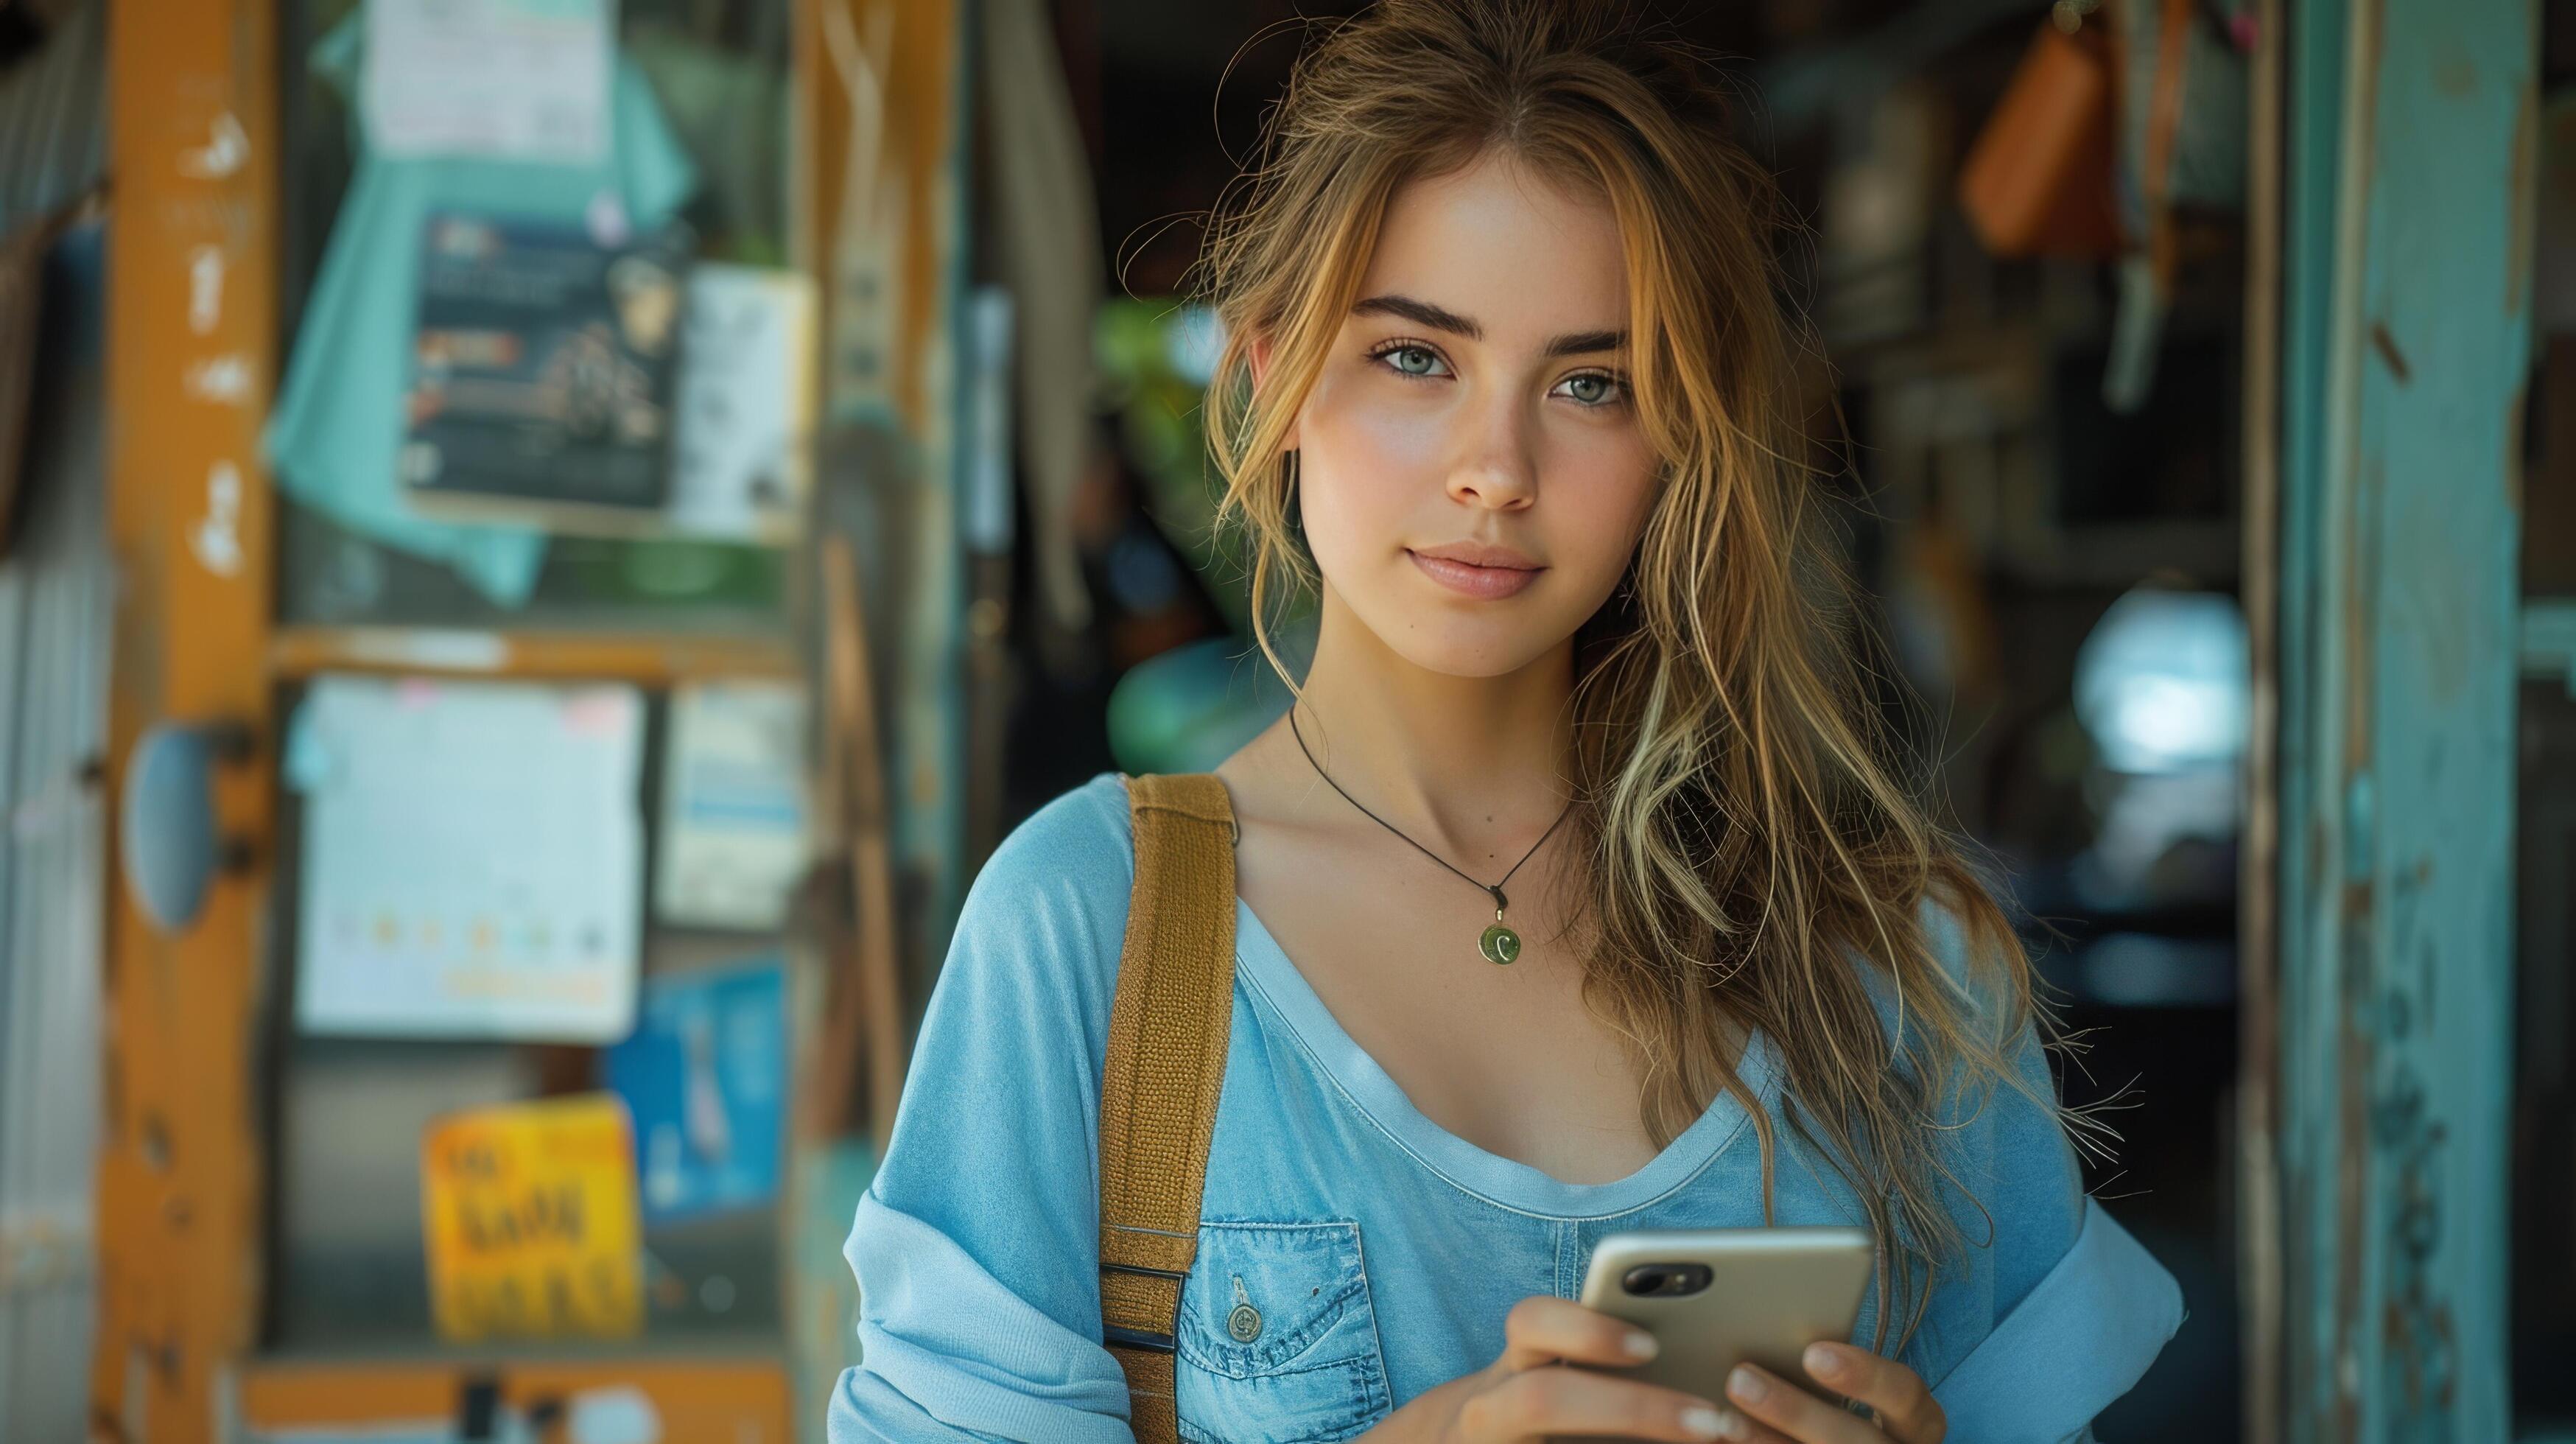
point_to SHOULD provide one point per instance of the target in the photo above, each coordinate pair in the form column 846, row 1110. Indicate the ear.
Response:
column 1258, row 353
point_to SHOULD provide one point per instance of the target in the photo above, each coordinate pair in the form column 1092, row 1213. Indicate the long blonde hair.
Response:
column 1752, row 855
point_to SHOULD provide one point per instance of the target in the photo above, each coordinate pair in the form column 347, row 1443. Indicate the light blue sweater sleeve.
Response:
column 976, row 1247
column 2078, row 1308
column 2073, row 1309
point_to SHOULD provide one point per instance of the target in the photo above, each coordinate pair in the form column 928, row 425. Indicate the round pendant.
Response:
column 1500, row 945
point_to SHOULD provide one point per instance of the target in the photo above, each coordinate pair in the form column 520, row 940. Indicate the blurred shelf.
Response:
column 690, row 1396
column 727, row 1352
column 649, row 659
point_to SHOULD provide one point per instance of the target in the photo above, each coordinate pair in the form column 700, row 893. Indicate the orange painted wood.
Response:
column 191, row 257
column 744, row 1401
column 913, row 48
column 922, row 111
column 867, row 1013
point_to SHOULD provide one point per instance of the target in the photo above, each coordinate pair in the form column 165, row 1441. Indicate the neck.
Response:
column 1466, row 764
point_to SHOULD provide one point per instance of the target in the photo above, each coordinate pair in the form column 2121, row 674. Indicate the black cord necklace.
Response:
column 1499, row 944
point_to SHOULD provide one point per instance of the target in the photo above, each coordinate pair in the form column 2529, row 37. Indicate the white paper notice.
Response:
column 473, row 858
column 501, row 79
column 743, row 412
column 733, row 806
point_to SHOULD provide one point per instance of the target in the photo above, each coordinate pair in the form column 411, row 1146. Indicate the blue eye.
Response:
column 1592, row 389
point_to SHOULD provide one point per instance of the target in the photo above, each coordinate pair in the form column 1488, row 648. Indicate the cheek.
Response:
column 1370, row 427
column 1605, row 485
column 1364, row 467
column 1351, row 521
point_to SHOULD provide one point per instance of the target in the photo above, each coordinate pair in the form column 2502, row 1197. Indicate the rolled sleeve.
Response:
column 977, row 1246
column 954, row 1354
column 2081, row 1338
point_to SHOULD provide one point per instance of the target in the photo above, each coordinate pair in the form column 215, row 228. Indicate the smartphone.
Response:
column 1717, row 1297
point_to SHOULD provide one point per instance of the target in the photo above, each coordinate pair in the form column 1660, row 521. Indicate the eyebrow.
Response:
column 1578, row 343
column 1421, row 313
column 1581, row 343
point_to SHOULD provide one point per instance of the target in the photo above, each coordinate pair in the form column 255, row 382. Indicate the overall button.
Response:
column 1245, row 1322
column 1276, row 1338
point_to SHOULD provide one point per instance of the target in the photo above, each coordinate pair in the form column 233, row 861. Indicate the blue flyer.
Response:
column 705, row 1074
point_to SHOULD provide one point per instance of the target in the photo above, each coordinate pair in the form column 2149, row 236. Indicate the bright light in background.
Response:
column 2161, row 684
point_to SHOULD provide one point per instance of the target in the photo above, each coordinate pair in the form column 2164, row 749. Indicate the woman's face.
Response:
column 1472, row 474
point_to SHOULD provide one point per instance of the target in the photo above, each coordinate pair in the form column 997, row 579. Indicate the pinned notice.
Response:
column 733, row 805
column 473, row 859
column 530, row 1221
column 523, row 80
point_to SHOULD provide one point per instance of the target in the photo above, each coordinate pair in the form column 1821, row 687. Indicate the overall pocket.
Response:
column 1278, row 1342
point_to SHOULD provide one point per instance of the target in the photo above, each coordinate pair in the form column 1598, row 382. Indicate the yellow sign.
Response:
column 530, row 1220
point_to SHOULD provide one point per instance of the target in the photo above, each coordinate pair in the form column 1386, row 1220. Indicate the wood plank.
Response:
column 743, row 1401
column 2258, row 1017
column 883, row 152
column 649, row 660
column 191, row 262
column 881, row 135
column 867, row 1017
column 2407, row 333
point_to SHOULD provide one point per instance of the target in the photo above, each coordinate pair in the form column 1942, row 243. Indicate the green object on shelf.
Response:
column 1190, row 708
column 1153, row 359
column 1186, row 710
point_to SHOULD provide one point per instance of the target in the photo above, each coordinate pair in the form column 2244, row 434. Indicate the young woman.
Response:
column 1513, row 390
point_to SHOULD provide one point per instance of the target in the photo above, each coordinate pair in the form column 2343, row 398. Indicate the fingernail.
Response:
column 1640, row 1344
column 1746, row 1385
column 1700, row 1421
column 1822, row 1361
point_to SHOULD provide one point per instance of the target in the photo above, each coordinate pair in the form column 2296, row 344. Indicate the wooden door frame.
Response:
column 192, row 262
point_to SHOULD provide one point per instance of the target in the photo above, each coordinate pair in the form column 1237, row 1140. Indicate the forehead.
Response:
column 1524, row 254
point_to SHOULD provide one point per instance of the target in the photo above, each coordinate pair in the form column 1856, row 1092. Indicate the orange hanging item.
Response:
column 2040, row 179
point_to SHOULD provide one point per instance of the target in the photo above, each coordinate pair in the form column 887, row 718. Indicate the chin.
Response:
column 1457, row 649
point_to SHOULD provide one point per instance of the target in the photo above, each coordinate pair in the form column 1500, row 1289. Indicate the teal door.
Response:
column 2380, row 1262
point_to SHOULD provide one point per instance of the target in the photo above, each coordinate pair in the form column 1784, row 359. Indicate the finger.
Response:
column 1770, row 1399
column 1906, row 1409
column 1542, row 1329
column 1547, row 1402
column 1742, row 1428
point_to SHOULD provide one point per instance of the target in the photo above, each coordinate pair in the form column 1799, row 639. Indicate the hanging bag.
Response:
column 2041, row 179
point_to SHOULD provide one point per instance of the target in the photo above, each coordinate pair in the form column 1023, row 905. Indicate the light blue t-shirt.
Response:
column 1380, row 1251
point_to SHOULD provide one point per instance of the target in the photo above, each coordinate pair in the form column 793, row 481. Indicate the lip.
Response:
column 1485, row 572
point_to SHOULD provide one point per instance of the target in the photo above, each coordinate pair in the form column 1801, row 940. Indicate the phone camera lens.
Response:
column 1665, row 1280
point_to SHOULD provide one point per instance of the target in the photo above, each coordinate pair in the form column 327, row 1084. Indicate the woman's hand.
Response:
column 1774, row 1410
column 1524, row 1397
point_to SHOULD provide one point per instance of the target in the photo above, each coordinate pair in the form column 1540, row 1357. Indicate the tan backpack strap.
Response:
column 1158, row 1089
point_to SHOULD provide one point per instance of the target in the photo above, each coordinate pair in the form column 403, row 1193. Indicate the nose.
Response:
column 1497, row 465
